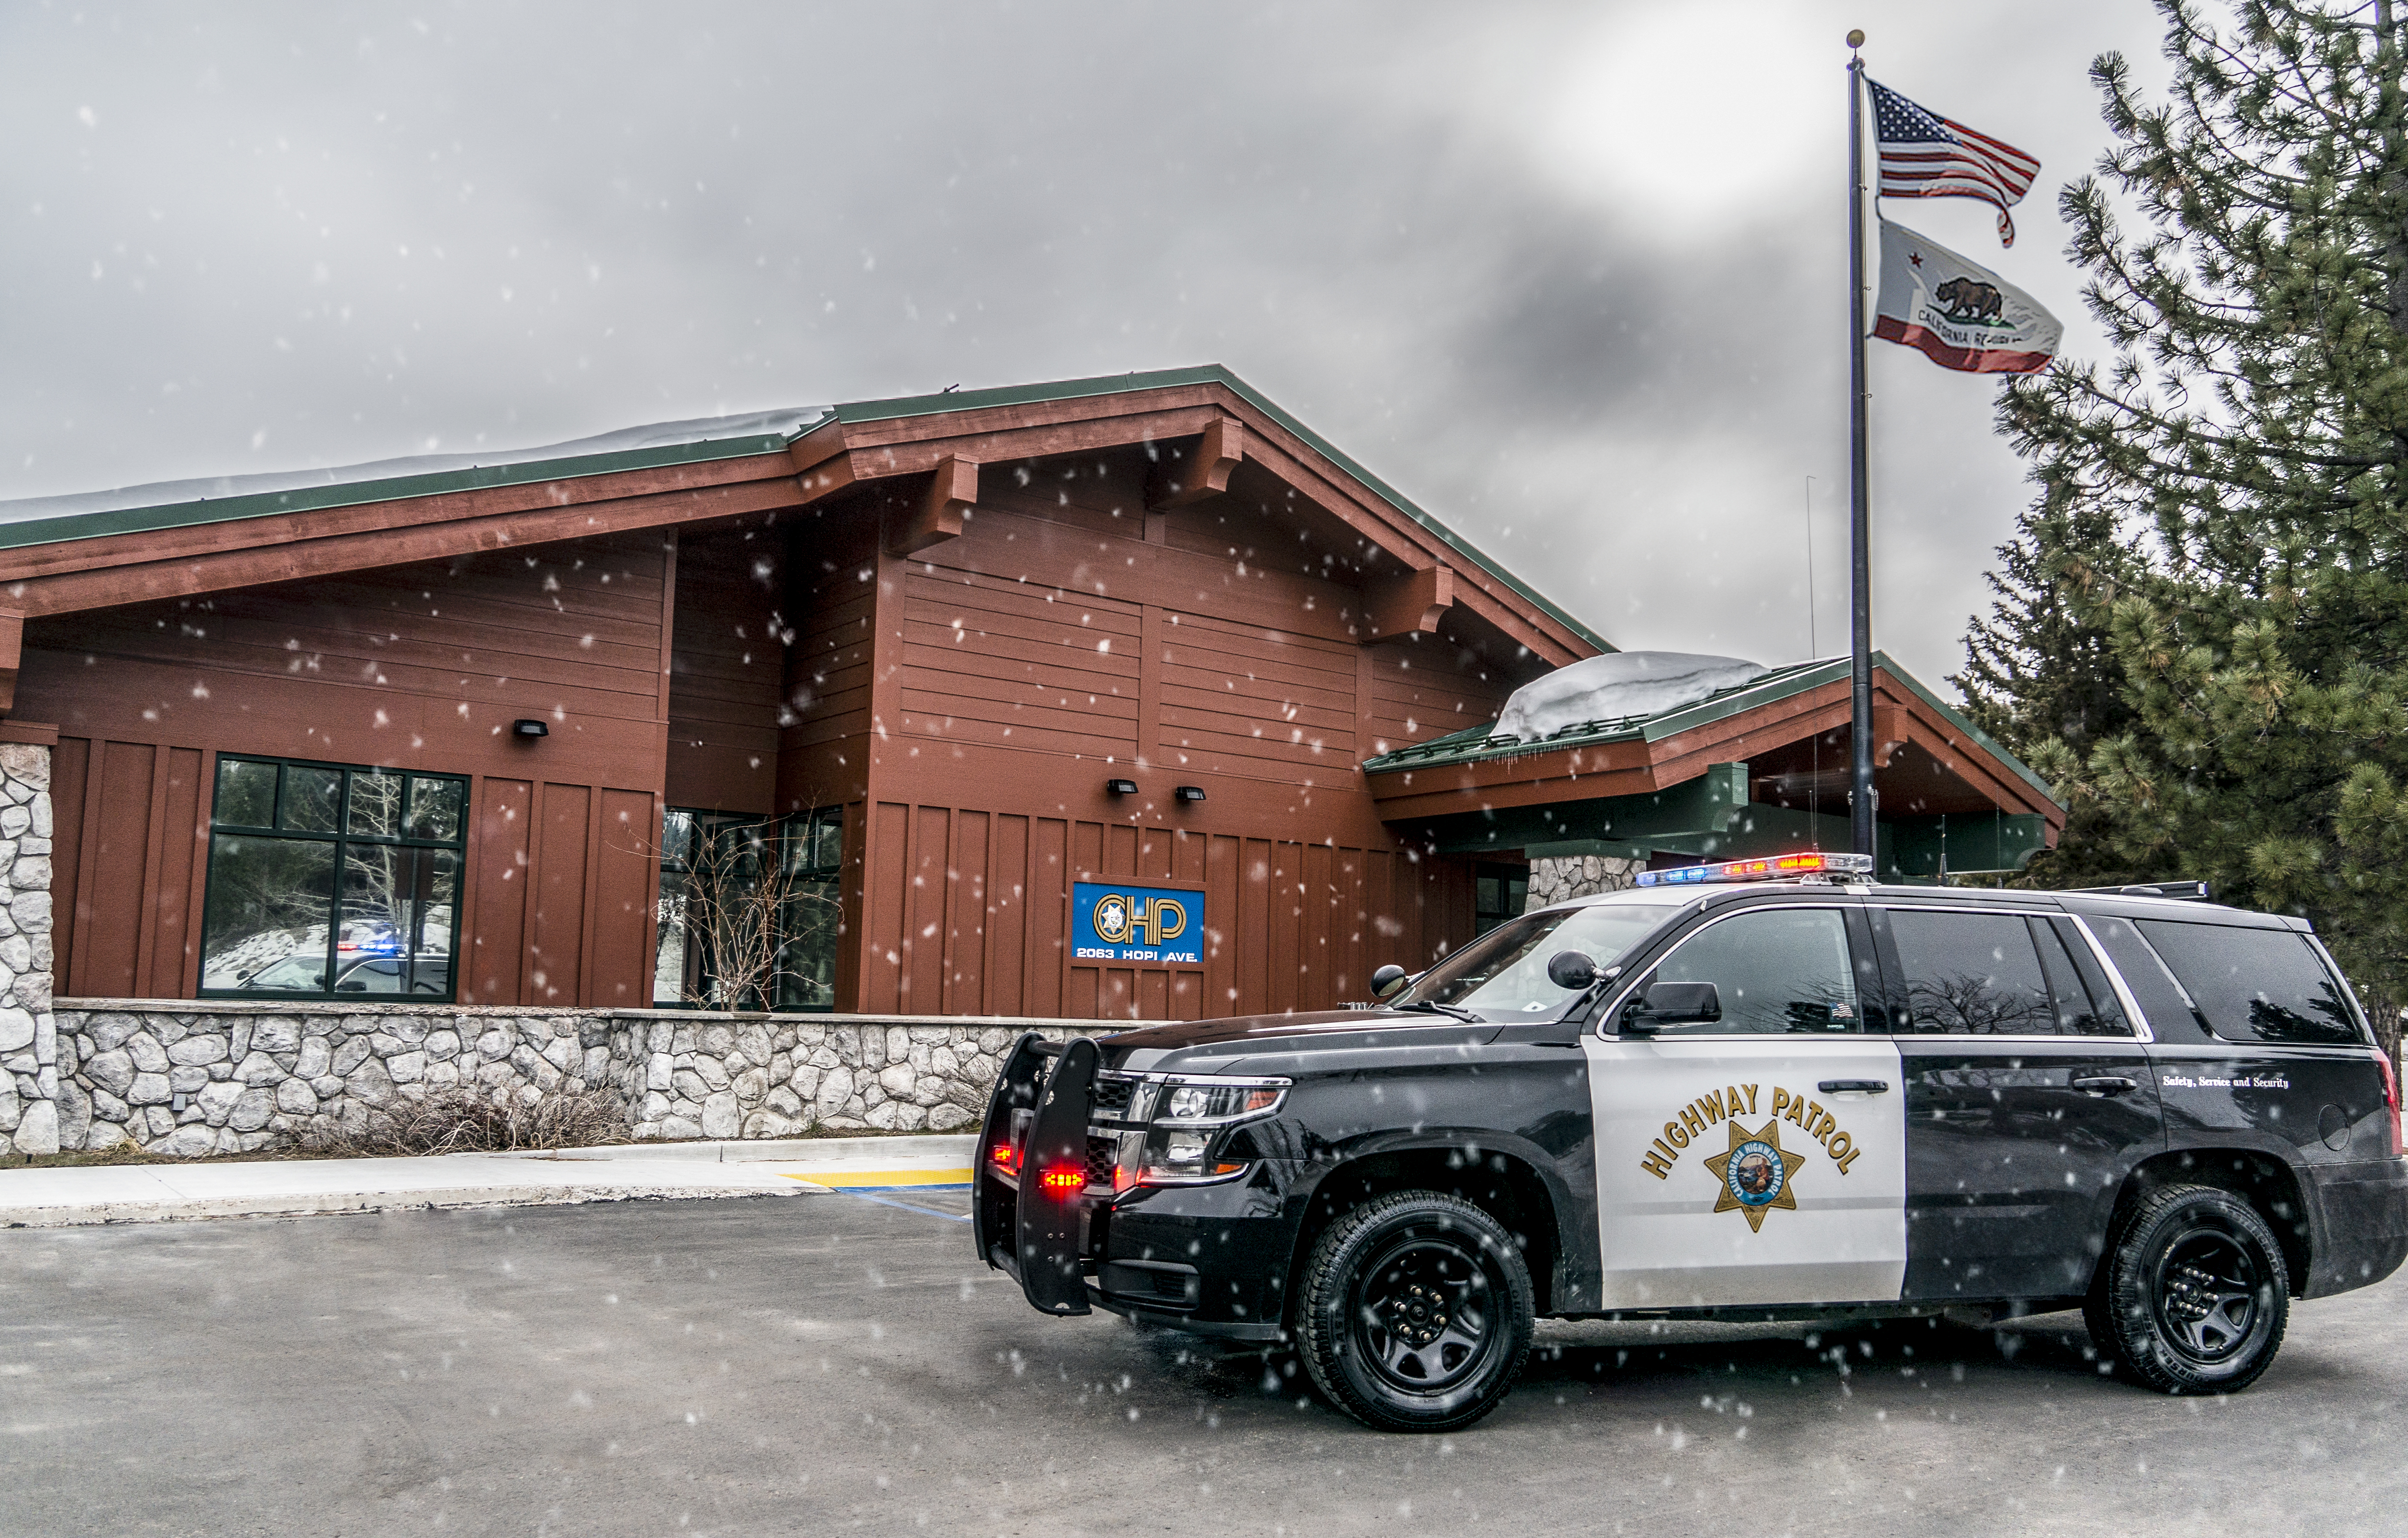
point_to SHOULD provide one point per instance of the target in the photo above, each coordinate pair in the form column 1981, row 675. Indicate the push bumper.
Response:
column 1211, row 1259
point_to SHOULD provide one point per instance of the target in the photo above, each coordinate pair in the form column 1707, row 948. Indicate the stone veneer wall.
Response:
column 29, row 1070
column 188, row 1077
column 1579, row 876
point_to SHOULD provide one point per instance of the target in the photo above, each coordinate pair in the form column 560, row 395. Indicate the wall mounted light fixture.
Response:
column 529, row 726
column 1189, row 793
column 1120, row 787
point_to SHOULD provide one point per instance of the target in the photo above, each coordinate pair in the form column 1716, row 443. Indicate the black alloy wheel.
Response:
column 2194, row 1297
column 1415, row 1313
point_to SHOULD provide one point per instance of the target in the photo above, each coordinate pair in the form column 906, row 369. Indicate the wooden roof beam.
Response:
column 1185, row 475
column 1412, row 604
column 953, row 491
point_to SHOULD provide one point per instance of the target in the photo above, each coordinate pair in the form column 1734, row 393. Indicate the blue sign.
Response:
column 1112, row 922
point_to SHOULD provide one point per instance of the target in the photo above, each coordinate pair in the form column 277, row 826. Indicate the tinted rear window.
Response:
column 1972, row 974
column 2255, row 984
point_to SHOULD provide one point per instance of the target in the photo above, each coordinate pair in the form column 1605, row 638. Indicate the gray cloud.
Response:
column 1569, row 275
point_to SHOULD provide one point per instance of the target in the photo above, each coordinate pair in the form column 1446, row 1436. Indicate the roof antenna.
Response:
column 949, row 389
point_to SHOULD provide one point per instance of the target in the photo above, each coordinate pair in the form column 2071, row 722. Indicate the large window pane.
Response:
column 2255, row 984
column 270, row 900
column 1782, row 969
column 398, row 903
column 1972, row 974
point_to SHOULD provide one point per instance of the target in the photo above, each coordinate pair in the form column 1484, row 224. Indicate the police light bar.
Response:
column 1779, row 868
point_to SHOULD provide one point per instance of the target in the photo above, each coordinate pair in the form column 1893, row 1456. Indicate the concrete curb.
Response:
column 160, row 1193
column 955, row 1148
column 192, row 1209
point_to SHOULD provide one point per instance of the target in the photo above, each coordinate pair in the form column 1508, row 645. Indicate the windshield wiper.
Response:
column 1436, row 1008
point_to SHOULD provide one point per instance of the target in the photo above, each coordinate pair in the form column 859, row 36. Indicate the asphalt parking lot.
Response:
column 842, row 1363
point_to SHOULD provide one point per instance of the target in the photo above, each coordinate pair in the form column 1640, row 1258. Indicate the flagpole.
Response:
column 1860, row 617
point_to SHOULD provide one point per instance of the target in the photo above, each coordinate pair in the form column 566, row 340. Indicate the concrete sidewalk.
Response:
column 153, row 1193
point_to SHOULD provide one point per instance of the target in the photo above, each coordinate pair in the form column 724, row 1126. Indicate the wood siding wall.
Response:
column 1066, row 638
column 417, row 667
column 726, row 667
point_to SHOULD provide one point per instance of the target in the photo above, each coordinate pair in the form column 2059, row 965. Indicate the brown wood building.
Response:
column 946, row 622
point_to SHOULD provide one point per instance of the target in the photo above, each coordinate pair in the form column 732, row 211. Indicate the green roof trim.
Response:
column 224, row 510
column 1211, row 373
column 1479, row 744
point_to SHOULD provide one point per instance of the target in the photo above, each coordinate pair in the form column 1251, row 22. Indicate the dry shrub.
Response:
column 460, row 1120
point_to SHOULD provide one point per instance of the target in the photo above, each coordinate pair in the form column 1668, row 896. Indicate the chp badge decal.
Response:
column 1755, row 1173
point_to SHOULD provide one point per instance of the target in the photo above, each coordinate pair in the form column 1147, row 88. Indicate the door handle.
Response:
column 2106, row 1084
column 1842, row 1087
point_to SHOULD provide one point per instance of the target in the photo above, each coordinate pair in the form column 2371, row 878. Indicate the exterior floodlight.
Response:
column 529, row 726
column 1120, row 787
column 1189, row 793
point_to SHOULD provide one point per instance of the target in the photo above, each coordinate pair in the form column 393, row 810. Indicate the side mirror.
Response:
column 1672, row 1004
column 1572, row 969
column 1389, row 981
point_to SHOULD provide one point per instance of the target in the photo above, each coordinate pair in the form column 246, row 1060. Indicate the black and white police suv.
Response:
column 1758, row 1090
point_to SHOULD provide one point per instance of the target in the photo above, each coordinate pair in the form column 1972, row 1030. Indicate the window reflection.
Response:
column 297, row 906
column 750, row 910
column 1783, row 970
column 1972, row 974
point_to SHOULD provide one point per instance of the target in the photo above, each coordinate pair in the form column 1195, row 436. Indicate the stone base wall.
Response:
column 1579, row 876
column 30, row 1081
column 204, row 1077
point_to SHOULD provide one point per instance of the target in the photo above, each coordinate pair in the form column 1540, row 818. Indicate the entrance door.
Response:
column 2028, row 1100
column 1759, row 1157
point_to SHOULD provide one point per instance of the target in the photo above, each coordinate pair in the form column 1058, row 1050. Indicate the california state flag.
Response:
column 1960, row 314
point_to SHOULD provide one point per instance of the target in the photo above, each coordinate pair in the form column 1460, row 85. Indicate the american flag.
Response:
column 1924, row 154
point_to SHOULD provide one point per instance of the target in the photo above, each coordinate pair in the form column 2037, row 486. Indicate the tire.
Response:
column 1414, row 1313
column 2194, row 1296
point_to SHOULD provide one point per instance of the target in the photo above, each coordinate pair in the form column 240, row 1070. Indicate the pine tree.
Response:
column 2234, row 481
column 2042, row 678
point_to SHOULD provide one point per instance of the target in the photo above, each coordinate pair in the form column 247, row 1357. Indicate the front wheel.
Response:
column 1415, row 1313
column 2194, row 1296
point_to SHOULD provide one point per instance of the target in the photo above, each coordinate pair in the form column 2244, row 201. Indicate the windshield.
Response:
column 1504, row 973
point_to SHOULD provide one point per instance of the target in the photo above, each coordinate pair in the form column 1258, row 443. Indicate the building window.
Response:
column 327, row 880
column 748, row 910
column 1499, row 892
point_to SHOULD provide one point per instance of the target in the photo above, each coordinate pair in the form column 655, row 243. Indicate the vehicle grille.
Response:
column 1100, row 1160
column 1110, row 1097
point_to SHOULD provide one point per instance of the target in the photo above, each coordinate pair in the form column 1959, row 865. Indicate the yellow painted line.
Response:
column 873, row 1178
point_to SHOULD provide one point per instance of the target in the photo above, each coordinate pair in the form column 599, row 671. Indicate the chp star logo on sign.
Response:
column 1756, row 1174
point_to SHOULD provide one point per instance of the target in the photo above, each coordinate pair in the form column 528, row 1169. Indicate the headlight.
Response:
column 1199, row 1102
column 1187, row 1117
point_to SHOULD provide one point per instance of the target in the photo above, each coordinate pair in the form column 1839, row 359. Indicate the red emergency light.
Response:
column 1063, row 1178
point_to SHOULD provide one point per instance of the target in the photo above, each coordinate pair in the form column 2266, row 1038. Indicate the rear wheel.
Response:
column 1414, row 1313
column 2195, row 1297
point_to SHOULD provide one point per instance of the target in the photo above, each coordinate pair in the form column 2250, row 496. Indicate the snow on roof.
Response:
column 780, row 424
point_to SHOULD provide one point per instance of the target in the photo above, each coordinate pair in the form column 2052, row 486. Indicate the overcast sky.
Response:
column 1571, row 276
